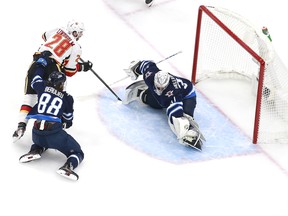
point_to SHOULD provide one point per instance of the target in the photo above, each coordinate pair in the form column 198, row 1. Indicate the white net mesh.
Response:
column 221, row 56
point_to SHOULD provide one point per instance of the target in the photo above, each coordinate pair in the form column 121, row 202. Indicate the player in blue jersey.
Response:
column 160, row 89
column 53, row 113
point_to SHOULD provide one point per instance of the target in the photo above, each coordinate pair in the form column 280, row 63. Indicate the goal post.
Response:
column 228, row 46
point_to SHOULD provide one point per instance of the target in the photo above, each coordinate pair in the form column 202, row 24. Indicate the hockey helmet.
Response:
column 161, row 81
column 57, row 80
column 75, row 28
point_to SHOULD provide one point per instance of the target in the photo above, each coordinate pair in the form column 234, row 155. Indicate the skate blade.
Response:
column 16, row 137
column 69, row 175
column 29, row 157
column 197, row 146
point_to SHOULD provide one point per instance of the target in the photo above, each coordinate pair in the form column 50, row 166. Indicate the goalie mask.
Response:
column 161, row 81
column 76, row 29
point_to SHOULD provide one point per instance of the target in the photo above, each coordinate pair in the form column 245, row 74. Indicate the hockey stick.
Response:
column 169, row 57
column 156, row 63
column 103, row 82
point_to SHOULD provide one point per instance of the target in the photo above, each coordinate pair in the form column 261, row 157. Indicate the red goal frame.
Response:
column 203, row 9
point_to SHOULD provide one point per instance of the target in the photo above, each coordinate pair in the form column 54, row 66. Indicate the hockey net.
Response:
column 227, row 46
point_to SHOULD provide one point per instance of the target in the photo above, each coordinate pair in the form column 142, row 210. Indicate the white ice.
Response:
column 133, row 165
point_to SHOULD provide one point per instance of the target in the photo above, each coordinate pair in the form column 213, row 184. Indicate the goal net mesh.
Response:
column 228, row 46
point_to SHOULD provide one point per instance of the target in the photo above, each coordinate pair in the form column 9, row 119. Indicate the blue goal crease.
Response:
column 146, row 130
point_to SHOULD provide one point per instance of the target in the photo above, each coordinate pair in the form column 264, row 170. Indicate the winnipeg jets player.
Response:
column 53, row 110
column 160, row 89
column 59, row 52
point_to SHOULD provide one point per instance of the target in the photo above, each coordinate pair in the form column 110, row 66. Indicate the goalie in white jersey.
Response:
column 162, row 90
column 59, row 52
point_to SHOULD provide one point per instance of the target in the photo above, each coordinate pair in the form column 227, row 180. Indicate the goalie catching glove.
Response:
column 85, row 66
column 132, row 70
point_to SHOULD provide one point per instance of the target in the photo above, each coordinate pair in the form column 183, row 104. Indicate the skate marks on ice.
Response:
column 146, row 130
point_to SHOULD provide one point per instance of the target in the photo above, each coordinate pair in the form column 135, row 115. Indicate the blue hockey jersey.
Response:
column 52, row 105
column 172, row 97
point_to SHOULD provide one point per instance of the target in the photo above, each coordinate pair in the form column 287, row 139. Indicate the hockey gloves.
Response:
column 85, row 66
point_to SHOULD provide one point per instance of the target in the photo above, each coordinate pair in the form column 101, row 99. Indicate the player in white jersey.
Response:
column 59, row 52
column 64, row 46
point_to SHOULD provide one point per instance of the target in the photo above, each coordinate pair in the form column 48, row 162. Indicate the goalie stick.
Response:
column 169, row 57
column 103, row 82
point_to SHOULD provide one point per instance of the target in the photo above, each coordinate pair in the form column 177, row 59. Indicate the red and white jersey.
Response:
column 64, row 48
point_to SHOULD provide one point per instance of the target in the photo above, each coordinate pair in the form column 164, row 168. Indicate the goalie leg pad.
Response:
column 134, row 90
column 179, row 127
column 187, row 132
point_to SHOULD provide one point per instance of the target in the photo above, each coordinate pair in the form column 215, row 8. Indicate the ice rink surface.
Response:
column 133, row 163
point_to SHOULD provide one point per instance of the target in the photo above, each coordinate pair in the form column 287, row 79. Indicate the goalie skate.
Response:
column 133, row 91
column 195, row 126
column 193, row 142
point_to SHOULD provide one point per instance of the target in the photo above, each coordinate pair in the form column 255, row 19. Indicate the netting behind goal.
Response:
column 227, row 46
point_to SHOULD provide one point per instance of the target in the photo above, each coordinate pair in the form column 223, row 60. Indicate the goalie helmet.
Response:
column 57, row 80
column 161, row 81
column 75, row 28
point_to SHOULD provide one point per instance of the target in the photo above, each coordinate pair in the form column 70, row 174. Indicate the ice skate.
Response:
column 193, row 142
column 67, row 172
column 19, row 132
column 31, row 155
column 149, row 2
column 193, row 139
